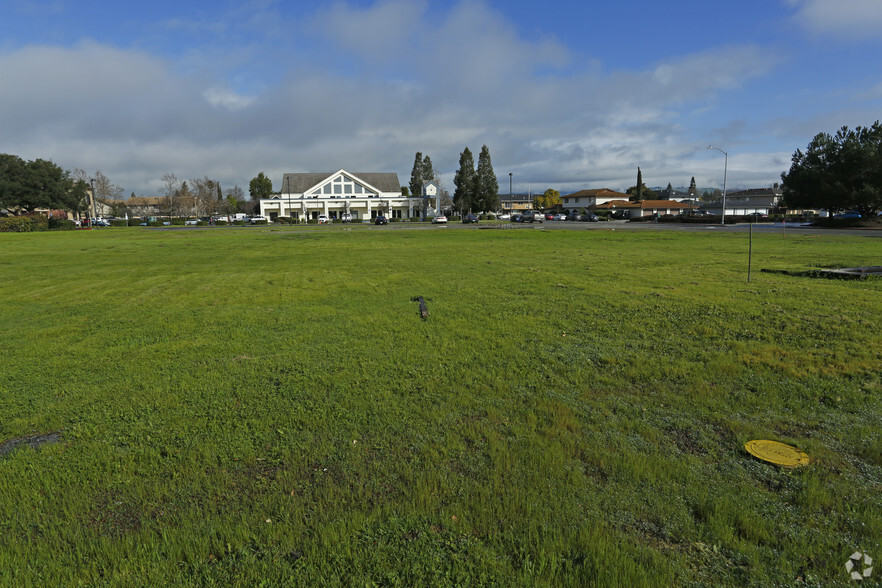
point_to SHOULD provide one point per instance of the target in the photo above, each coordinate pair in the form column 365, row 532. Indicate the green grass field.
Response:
column 247, row 406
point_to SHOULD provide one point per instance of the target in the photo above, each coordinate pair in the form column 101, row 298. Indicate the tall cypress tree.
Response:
column 486, row 185
column 416, row 175
column 428, row 171
column 464, row 180
column 639, row 184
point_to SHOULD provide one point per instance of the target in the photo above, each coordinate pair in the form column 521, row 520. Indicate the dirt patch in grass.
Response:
column 34, row 441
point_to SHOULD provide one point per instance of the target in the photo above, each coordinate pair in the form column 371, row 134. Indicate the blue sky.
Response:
column 567, row 95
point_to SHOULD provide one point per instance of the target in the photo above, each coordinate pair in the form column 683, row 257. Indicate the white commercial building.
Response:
column 305, row 196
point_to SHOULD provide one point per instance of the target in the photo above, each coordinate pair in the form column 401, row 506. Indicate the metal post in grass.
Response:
column 725, row 171
column 749, row 251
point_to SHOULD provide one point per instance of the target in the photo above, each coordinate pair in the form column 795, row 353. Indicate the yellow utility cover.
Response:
column 777, row 453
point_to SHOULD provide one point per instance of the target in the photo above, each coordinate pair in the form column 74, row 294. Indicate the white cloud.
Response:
column 846, row 18
column 365, row 92
column 226, row 99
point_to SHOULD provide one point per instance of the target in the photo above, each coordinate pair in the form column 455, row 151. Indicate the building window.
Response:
column 338, row 189
column 327, row 189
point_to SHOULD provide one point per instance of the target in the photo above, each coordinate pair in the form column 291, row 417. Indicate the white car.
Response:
column 504, row 216
column 257, row 219
column 439, row 219
column 323, row 219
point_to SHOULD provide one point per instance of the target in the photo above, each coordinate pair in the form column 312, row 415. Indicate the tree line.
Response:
column 838, row 172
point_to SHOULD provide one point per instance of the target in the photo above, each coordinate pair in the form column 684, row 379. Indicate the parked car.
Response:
column 573, row 216
column 381, row 220
column 193, row 221
column 515, row 218
column 848, row 214
column 589, row 217
column 560, row 217
column 756, row 215
column 470, row 218
column 504, row 216
column 439, row 219
column 346, row 217
column 549, row 216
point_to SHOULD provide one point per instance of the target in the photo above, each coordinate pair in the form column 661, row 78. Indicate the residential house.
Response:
column 762, row 200
column 645, row 207
column 587, row 198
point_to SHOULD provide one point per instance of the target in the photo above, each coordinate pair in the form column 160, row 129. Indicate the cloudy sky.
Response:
column 567, row 94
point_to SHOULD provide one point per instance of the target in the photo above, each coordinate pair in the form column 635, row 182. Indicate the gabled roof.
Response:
column 601, row 192
column 663, row 204
column 299, row 183
column 643, row 204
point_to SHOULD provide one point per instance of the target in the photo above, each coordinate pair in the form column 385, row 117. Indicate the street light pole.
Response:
column 510, row 196
column 288, row 190
column 92, row 203
column 725, row 172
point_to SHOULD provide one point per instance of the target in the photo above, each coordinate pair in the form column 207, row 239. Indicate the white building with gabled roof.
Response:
column 306, row 196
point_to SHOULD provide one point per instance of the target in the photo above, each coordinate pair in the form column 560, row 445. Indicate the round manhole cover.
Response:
column 777, row 453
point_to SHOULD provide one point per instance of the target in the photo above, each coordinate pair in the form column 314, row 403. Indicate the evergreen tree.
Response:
column 464, row 180
column 260, row 187
column 428, row 172
column 640, row 192
column 486, row 186
column 669, row 191
column 639, row 184
column 416, row 175
column 693, row 191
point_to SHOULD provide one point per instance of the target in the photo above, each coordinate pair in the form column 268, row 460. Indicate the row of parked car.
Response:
column 535, row 216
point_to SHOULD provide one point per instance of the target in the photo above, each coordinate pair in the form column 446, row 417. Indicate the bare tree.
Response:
column 204, row 192
column 105, row 190
column 171, row 189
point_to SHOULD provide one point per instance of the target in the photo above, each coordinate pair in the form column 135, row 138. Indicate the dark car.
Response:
column 588, row 218
column 470, row 218
column 515, row 218
column 549, row 216
column 573, row 216
column 381, row 220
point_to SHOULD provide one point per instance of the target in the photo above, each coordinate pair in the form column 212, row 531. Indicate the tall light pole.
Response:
column 510, row 196
column 725, row 172
column 288, row 190
column 92, row 203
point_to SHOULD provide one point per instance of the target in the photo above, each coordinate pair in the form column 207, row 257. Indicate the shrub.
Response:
column 260, row 222
column 201, row 223
column 61, row 224
column 119, row 223
column 220, row 222
column 178, row 222
column 156, row 224
column 240, row 223
column 24, row 224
